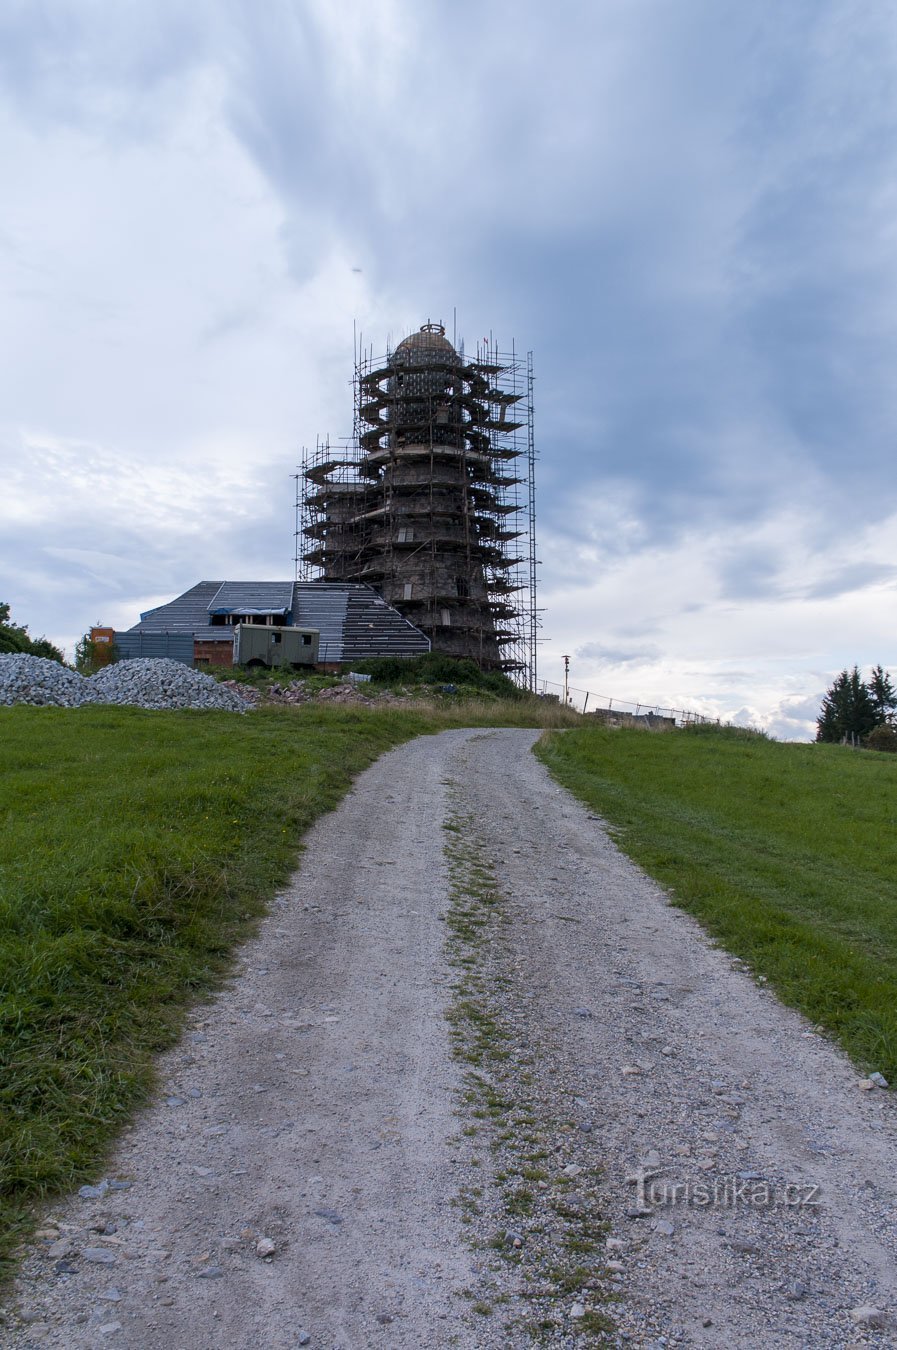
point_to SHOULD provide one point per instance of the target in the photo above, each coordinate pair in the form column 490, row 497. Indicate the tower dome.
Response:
column 428, row 344
column 422, row 508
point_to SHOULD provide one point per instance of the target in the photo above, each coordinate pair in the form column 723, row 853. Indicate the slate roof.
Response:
column 189, row 613
column 353, row 620
column 252, row 597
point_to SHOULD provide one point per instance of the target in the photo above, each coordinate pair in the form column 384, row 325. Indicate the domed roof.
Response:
column 429, row 341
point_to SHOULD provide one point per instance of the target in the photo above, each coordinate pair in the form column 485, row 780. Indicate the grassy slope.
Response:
column 786, row 853
column 136, row 849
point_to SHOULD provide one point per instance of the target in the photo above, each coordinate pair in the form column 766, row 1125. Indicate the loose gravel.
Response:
column 39, row 682
column 479, row 1084
column 143, row 683
column 154, row 683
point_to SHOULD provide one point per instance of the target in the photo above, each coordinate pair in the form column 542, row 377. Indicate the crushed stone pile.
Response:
column 35, row 680
column 149, row 682
column 143, row 683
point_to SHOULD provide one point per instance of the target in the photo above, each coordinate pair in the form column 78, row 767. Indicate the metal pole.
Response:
column 532, row 617
column 566, row 661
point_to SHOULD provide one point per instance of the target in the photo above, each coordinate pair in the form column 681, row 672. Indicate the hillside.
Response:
column 785, row 853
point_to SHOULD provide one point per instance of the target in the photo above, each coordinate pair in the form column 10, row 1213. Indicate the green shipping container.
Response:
column 258, row 644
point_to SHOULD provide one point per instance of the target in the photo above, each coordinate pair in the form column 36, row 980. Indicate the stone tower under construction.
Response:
column 432, row 502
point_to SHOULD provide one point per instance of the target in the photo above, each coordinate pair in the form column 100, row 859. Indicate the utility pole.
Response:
column 566, row 661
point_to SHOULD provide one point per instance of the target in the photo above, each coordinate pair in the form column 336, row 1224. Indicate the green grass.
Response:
column 514, row 1128
column 136, row 850
column 436, row 669
column 787, row 854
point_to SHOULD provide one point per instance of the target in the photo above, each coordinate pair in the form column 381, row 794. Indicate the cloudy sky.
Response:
column 687, row 208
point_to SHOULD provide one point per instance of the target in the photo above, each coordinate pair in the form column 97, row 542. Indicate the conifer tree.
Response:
column 848, row 709
column 883, row 695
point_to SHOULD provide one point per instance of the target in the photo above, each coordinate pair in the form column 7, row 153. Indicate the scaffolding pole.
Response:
column 440, row 460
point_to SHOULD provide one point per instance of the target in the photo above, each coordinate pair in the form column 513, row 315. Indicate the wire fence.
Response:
column 586, row 701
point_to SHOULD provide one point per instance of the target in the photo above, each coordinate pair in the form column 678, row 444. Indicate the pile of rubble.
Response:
column 143, row 683
column 299, row 692
column 159, row 684
column 148, row 682
column 35, row 680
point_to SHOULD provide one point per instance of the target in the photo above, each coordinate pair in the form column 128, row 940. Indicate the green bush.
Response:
column 92, row 656
column 882, row 738
column 436, row 668
column 16, row 638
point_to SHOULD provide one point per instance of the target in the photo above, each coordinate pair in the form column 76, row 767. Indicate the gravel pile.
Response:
column 35, row 680
column 150, row 683
column 143, row 683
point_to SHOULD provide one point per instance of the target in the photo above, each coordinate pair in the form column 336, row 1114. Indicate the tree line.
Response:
column 15, row 637
column 860, row 712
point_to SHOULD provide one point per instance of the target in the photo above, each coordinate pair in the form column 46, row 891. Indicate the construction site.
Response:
column 431, row 501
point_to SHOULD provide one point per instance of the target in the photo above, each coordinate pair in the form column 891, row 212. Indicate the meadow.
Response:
column 137, row 849
column 787, row 854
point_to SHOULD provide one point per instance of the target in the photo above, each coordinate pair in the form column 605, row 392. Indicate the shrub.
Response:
column 91, row 656
column 436, row 668
column 16, row 638
column 882, row 738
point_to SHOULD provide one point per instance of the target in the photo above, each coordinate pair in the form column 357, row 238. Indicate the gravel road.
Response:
column 318, row 1168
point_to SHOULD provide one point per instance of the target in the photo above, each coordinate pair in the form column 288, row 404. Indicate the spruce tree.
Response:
column 848, row 709
column 884, row 697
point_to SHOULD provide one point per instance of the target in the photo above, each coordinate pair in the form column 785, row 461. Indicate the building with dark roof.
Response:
column 354, row 622
column 433, row 503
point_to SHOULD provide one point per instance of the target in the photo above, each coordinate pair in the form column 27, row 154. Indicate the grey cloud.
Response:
column 683, row 208
column 617, row 656
column 750, row 574
column 853, row 578
column 229, row 322
column 102, row 68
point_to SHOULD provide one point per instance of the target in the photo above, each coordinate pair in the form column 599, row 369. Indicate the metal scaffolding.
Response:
column 432, row 502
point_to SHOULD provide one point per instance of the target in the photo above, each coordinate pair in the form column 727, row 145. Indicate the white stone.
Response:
column 868, row 1316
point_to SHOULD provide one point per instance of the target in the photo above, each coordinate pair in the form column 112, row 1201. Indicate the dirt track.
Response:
column 316, row 1105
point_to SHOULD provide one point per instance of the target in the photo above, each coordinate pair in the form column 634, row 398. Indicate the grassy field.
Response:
column 137, row 850
column 787, row 854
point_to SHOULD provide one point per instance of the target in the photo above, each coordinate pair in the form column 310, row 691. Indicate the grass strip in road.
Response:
column 520, row 1210
column 136, row 850
column 787, row 854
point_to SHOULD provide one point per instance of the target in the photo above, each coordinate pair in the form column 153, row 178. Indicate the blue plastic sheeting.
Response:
column 253, row 597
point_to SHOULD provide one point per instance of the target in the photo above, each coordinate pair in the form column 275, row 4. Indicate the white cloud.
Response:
column 661, row 628
column 687, row 211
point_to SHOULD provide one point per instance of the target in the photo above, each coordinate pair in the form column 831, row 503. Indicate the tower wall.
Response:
column 422, row 506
